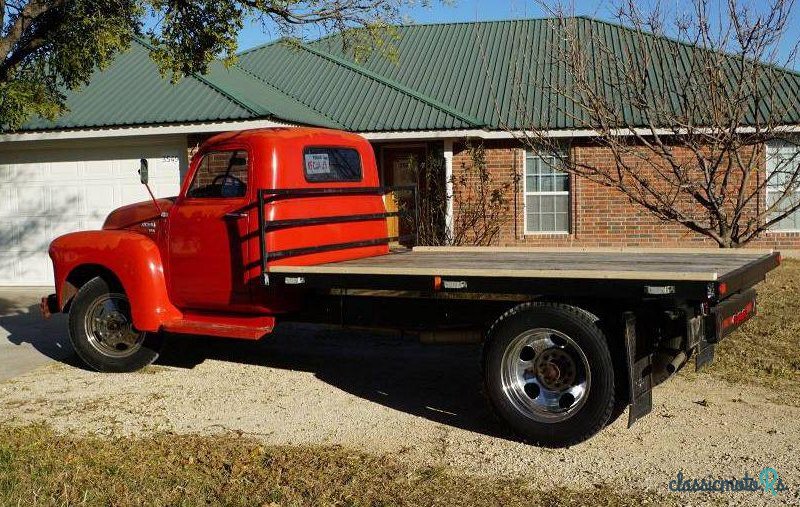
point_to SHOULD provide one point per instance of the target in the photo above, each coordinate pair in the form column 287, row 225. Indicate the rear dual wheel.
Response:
column 548, row 373
column 102, row 333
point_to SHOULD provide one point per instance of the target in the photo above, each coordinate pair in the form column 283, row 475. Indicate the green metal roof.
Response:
column 506, row 74
column 264, row 99
column 348, row 93
column 131, row 91
column 484, row 75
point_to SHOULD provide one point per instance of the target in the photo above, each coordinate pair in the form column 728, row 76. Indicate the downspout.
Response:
column 448, row 188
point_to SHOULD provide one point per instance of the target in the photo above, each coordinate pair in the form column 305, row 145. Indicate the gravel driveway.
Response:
column 387, row 394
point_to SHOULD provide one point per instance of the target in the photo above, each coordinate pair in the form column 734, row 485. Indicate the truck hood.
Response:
column 134, row 214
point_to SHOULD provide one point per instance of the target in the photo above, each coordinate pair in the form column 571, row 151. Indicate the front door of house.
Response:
column 400, row 166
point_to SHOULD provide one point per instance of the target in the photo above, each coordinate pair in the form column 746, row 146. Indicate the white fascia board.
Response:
column 95, row 142
column 461, row 134
column 408, row 135
column 147, row 130
column 521, row 134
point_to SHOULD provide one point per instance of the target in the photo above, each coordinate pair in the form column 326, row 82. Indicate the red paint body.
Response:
column 193, row 269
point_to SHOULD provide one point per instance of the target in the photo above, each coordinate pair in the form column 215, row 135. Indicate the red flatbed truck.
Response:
column 289, row 224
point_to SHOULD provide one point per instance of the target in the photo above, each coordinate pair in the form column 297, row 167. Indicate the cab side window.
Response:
column 221, row 174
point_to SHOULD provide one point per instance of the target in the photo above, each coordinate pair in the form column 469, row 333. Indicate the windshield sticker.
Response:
column 317, row 163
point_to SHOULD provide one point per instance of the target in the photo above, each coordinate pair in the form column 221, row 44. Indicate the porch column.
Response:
column 448, row 182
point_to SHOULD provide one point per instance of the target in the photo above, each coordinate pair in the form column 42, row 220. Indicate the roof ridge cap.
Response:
column 264, row 45
column 446, row 23
column 686, row 44
column 477, row 22
column 475, row 122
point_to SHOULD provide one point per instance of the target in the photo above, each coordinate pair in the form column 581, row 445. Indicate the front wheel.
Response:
column 102, row 333
column 548, row 373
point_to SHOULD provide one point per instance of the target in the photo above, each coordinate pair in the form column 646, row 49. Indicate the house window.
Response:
column 546, row 195
column 783, row 162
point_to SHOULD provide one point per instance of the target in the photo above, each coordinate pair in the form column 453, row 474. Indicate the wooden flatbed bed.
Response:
column 476, row 269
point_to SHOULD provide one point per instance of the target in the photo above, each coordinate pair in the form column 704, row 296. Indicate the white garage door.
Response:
column 47, row 192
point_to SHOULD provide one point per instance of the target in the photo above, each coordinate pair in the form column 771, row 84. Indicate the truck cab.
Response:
column 196, row 258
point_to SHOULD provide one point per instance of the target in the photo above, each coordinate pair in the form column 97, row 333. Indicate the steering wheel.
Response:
column 227, row 185
column 217, row 180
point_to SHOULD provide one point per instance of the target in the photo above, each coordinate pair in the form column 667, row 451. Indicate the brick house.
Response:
column 449, row 85
column 594, row 215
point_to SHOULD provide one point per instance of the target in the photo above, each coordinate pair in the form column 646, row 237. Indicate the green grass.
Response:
column 39, row 466
column 766, row 350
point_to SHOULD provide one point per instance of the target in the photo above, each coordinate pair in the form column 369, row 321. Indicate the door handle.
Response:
column 236, row 214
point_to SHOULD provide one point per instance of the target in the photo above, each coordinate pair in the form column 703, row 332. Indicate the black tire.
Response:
column 97, row 352
column 596, row 404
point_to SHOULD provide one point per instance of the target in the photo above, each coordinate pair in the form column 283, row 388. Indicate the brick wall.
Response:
column 194, row 141
column 599, row 216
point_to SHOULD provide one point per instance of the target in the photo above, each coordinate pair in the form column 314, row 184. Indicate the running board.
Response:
column 222, row 325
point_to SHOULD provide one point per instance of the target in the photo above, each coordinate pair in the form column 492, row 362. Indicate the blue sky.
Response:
column 439, row 12
column 485, row 10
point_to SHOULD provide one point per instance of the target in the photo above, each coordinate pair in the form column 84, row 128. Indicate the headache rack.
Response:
column 266, row 196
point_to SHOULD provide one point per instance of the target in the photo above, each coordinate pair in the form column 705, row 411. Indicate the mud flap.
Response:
column 640, row 381
column 705, row 355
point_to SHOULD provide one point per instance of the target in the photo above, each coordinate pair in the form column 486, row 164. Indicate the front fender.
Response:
column 133, row 258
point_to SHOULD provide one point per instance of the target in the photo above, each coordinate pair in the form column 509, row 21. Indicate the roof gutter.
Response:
column 404, row 135
column 556, row 134
column 142, row 130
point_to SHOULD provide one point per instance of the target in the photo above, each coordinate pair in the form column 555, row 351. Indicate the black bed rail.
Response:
column 317, row 191
column 338, row 219
column 266, row 196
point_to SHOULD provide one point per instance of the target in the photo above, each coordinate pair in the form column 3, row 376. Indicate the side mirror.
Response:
column 143, row 171
column 143, row 177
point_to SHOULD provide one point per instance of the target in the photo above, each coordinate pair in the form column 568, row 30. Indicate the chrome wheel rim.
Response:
column 109, row 327
column 545, row 375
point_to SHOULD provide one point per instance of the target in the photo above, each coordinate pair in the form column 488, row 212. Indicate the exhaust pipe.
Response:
column 677, row 361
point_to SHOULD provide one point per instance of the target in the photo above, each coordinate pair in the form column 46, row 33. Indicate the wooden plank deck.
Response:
column 574, row 263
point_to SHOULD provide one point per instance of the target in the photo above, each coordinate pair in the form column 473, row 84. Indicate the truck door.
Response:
column 208, row 228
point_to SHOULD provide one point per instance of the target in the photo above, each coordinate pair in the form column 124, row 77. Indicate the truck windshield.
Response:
column 324, row 164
